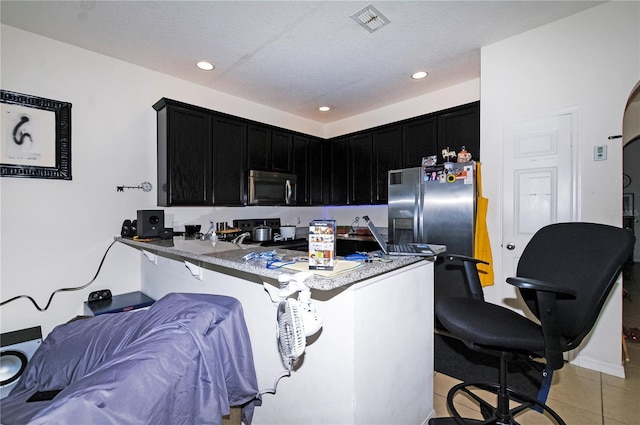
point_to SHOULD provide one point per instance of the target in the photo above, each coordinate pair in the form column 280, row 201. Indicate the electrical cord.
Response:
column 286, row 374
column 61, row 289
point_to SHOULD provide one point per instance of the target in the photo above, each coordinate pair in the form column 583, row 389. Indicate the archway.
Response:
column 630, row 169
column 631, row 216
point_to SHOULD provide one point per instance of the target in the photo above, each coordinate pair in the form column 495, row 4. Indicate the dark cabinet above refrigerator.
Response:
column 358, row 163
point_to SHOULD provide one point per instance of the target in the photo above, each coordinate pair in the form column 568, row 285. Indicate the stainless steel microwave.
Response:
column 269, row 188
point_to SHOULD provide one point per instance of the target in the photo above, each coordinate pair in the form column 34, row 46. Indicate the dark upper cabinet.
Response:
column 372, row 153
column 281, row 151
column 258, row 147
column 460, row 127
column 387, row 149
column 301, row 169
column 203, row 155
column 420, row 138
column 229, row 156
column 307, row 166
column 361, row 168
column 452, row 128
column 184, row 155
column 315, row 173
column 337, row 172
column 269, row 149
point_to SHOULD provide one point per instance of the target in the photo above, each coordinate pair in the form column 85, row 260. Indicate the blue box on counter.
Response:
column 118, row 303
column 322, row 244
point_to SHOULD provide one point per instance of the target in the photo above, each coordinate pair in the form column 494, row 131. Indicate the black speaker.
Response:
column 17, row 349
column 150, row 223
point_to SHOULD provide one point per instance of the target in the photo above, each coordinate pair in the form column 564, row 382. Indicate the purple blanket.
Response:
column 185, row 360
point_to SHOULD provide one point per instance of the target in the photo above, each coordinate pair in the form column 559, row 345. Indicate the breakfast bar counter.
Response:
column 370, row 363
column 227, row 258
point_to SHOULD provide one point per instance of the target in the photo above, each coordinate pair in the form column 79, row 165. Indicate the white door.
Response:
column 538, row 185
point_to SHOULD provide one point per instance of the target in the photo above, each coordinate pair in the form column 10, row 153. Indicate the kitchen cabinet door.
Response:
column 281, row 151
column 460, row 127
column 184, row 155
column 337, row 168
column 258, row 147
column 307, row 166
column 301, row 169
column 229, row 157
column 269, row 149
column 420, row 139
column 387, row 148
column 316, row 175
column 361, row 169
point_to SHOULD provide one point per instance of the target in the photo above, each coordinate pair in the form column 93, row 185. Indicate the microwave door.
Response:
column 266, row 188
column 268, row 192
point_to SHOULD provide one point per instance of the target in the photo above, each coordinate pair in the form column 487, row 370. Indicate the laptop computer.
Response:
column 413, row 249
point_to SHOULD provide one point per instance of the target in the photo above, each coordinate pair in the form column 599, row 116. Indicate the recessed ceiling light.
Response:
column 205, row 66
column 324, row 108
column 419, row 75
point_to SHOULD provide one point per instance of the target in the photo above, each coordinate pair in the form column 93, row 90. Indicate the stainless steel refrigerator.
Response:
column 436, row 204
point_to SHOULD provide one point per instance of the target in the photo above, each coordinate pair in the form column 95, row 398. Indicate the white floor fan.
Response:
column 296, row 318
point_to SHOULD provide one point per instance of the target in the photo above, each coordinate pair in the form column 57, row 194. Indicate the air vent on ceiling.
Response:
column 370, row 18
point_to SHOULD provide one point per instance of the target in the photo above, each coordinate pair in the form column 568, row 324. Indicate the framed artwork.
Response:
column 35, row 140
column 627, row 204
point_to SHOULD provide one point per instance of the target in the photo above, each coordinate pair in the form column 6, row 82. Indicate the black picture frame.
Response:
column 36, row 137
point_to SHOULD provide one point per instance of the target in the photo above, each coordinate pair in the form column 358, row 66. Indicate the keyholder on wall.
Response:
column 145, row 186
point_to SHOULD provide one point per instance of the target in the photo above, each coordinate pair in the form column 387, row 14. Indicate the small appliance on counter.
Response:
column 269, row 232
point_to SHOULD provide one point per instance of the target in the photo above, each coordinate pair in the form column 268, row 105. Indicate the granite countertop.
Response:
column 226, row 258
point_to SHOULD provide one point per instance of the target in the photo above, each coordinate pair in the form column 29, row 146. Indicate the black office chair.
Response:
column 564, row 276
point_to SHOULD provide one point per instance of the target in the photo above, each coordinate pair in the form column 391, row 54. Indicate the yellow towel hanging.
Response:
column 482, row 246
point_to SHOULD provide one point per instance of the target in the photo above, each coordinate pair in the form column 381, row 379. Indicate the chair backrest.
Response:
column 585, row 257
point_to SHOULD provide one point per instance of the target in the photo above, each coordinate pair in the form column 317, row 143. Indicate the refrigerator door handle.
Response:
column 418, row 222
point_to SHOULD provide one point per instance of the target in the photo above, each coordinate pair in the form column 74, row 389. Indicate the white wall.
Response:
column 590, row 61
column 53, row 234
column 459, row 94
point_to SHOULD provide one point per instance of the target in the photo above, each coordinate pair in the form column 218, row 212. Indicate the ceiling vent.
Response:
column 370, row 19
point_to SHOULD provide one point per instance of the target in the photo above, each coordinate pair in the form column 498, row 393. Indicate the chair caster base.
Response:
column 451, row 421
column 491, row 414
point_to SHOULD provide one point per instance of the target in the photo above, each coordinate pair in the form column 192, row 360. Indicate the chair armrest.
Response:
column 464, row 258
column 547, row 296
column 470, row 265
column 539, row 285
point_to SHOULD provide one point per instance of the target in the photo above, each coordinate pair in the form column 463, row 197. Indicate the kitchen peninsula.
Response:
column 371, row 363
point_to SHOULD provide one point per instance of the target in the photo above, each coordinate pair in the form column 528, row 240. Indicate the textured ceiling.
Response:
column 294, row 55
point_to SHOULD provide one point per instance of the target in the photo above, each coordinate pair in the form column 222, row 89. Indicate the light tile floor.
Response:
column 581, row 396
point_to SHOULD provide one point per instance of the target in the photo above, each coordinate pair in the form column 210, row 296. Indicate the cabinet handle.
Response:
column 289, row 192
